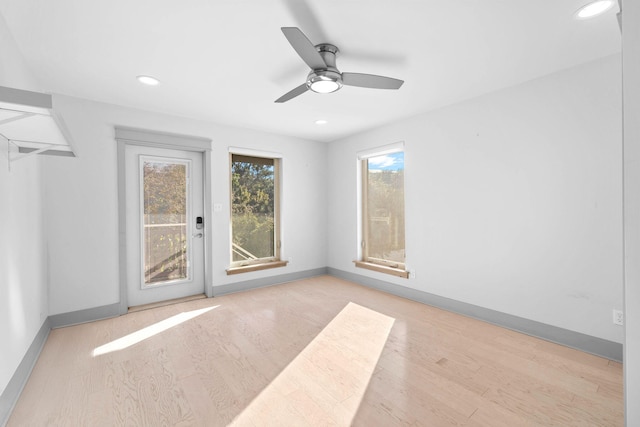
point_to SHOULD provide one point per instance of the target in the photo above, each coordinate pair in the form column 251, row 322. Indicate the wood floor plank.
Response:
column 319, row 351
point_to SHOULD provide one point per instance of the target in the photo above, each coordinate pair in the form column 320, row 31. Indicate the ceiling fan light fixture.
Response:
column 593, row 9
column 324, row 86
column 324, row 81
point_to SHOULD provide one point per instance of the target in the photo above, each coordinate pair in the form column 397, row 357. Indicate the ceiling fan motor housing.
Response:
column 328, row 79
column 328, row 53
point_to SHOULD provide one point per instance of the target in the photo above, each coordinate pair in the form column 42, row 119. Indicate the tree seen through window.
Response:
column 253, row 208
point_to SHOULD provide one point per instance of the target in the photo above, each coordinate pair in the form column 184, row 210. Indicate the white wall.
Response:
column 23, row 284
column 631, row 71
column 81, row 201
column 513, row 199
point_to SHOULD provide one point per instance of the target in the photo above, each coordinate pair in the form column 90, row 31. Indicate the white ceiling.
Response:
column 226, row 61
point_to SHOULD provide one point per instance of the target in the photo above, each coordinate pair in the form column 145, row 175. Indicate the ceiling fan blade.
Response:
column 304, row 47
column 371, row 81
column 293, row 93
column 306, row 18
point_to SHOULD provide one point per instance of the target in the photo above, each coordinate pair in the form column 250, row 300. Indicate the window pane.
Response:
column 252, row 208
column 385, row 208
column 164, row 221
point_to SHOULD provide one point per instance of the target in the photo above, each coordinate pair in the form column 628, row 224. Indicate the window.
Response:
column 255, row 241
column 166, row 205
column 383, row 242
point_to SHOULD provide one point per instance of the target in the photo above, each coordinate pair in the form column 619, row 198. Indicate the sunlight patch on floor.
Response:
column 148, row 332
column 326, row 382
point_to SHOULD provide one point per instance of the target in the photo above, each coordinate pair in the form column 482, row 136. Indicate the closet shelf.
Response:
column 29, row 125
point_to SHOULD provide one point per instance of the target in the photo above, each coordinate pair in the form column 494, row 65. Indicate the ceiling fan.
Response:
column 324, row 76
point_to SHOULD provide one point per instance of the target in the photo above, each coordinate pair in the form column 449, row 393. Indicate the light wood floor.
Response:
column 320, row 351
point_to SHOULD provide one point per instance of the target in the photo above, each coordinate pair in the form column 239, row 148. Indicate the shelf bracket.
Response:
column 6, row 140
column 17, row 155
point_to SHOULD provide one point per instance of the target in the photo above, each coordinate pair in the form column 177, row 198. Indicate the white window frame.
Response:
column 364, row 261
column 267, row 262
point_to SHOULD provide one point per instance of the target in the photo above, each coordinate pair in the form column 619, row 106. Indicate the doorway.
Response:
column 163, row 222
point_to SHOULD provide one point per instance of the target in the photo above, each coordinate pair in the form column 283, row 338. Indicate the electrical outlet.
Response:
column 618, row 317
column 412, row 274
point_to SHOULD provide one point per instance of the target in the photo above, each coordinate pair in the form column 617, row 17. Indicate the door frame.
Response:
column 125, row 136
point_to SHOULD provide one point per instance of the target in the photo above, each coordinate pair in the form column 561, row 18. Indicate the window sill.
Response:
column 383, row 269
column 256, row 267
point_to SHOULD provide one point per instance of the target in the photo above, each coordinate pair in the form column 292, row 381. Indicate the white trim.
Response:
column 255, row 153
column 359, row 211
column 363, row 156
column 161, row 139
column 395, row 147
column 138, row 137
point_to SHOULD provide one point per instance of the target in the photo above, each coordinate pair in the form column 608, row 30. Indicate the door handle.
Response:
column 197, row 235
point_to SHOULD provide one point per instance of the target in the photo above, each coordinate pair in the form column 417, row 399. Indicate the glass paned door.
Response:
column 165, row 224
column 166, row 207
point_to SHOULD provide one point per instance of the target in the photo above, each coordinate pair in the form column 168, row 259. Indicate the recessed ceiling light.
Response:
column 321, row 122
column 594, row 8
column 148, row 80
